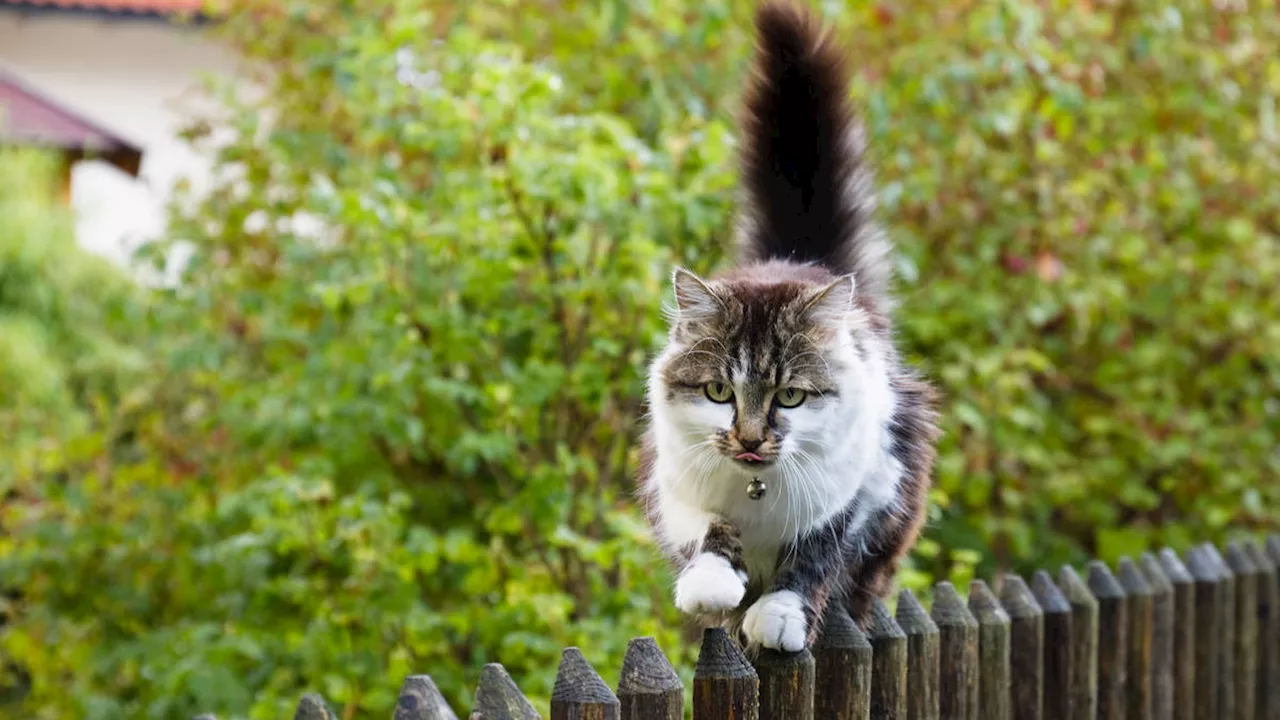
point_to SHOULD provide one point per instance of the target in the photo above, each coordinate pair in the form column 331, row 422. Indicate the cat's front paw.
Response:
column 709, row 584
column 777, row 622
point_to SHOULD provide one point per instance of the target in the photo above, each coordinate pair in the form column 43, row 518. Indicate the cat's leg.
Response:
column 870, row 579
column 887, row 539
column 714, row 579
column 787, row 617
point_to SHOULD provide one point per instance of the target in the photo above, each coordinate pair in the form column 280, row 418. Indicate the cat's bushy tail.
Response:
column 808, row 193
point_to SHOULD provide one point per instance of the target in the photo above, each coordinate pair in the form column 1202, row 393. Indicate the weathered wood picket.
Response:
column 1162, row 638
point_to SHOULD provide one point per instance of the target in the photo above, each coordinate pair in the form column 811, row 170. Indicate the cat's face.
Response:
column 757, row 370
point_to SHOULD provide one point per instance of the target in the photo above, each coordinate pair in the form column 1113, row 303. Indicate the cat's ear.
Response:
column 833, row 302
column 694, row 298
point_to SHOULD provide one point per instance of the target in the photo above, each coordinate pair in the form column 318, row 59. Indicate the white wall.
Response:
column 133, row 77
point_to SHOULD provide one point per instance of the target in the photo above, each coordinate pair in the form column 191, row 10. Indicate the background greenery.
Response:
column 386, row 422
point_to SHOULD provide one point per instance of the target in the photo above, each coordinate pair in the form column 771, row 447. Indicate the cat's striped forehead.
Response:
column 762, row 335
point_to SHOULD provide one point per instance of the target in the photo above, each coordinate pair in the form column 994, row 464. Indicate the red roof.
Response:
column 128, row 7
column 27, row 118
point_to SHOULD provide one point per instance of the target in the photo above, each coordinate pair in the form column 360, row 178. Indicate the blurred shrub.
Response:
column 1085, row 194
column 67, row 321
column 390, row 423
column 395, row 405
column 65, row 317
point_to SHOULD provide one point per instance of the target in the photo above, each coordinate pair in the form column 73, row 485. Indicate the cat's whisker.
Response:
column 803, row 481
column 813, row 508
column 782, row 482
column 825, row 365
column 695, row 467
column 691, row 353
column 696, row 464
column 709, row 339
column 786, row 481
column 706, row 461
column 786, row 526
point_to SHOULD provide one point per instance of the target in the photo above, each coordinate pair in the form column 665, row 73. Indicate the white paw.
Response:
column 777, row 622
column 709, row 584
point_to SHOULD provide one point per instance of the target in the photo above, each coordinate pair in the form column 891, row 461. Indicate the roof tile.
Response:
column 149, row 7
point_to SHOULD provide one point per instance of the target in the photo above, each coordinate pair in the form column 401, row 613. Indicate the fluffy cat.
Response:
column 784, row 369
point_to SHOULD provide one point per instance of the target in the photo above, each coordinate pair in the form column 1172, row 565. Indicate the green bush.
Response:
column 66, row 317
column 390, row 418
column 1085, row 195
column 398, row 439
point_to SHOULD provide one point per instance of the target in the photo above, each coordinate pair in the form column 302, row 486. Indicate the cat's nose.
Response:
column 750, row 445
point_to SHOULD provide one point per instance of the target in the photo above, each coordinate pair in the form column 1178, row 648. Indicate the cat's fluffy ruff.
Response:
column 847, row 470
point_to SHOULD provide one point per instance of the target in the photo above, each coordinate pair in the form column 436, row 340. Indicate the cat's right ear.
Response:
column 695, row 300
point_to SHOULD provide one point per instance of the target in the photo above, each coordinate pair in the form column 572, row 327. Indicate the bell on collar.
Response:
column 756, row 489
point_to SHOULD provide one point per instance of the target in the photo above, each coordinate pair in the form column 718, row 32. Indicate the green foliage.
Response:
column 400, row 437
column 389, row 418
column 1084, row 196
column 64, row 316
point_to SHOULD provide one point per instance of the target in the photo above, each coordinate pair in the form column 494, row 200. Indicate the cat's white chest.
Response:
column 791, row 507
column 767, row 523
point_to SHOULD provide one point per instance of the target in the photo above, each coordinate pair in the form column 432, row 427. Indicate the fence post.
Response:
column 498, row 698
column 958, row 654
column 842, row 668
column 786, row 685
column 1026, row 648
column 1185, row 622
column 993, row 652
column 922, row 657
column 1084, row 644
column 1268, row 695
column 313, row 707
column 1246, row 646
column 725, row 686
column 1227, row 633
column 1058, row 646
column 1113, row 641
column 420, row 699
column 1272, row 551
column 1138, row 675
column 888, row 665
column 1161, row 637
column 1208, row 631
column 580, row 693
column 649, row 688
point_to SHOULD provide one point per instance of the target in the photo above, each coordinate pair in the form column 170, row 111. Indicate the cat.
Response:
column 783, row 371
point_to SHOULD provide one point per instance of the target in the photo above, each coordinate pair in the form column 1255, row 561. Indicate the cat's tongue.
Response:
column 749, row 457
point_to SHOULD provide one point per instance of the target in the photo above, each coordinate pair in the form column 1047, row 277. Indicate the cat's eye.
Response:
column 718, row 392
column 789, row 397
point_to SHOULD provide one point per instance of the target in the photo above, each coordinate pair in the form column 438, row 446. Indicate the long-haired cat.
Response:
column 790, row 447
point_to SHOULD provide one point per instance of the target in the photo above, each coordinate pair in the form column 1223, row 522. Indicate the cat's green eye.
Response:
column 789, row 397
column 718, row 392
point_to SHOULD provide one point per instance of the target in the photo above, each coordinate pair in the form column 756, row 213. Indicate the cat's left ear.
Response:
column 833, row 302
column 695, row 300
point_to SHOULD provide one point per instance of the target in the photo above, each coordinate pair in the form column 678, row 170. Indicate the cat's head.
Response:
column 762, row 367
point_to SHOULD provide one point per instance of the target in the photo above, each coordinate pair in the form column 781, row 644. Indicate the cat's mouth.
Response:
column 751, row 460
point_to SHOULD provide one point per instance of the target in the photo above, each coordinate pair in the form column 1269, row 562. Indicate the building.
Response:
column 109, row 83
column 31, row 119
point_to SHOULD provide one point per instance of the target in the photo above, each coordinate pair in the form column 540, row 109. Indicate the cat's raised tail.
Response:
column 808, row 192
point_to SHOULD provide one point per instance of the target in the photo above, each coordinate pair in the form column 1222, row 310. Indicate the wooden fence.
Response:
column 1195, row 637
